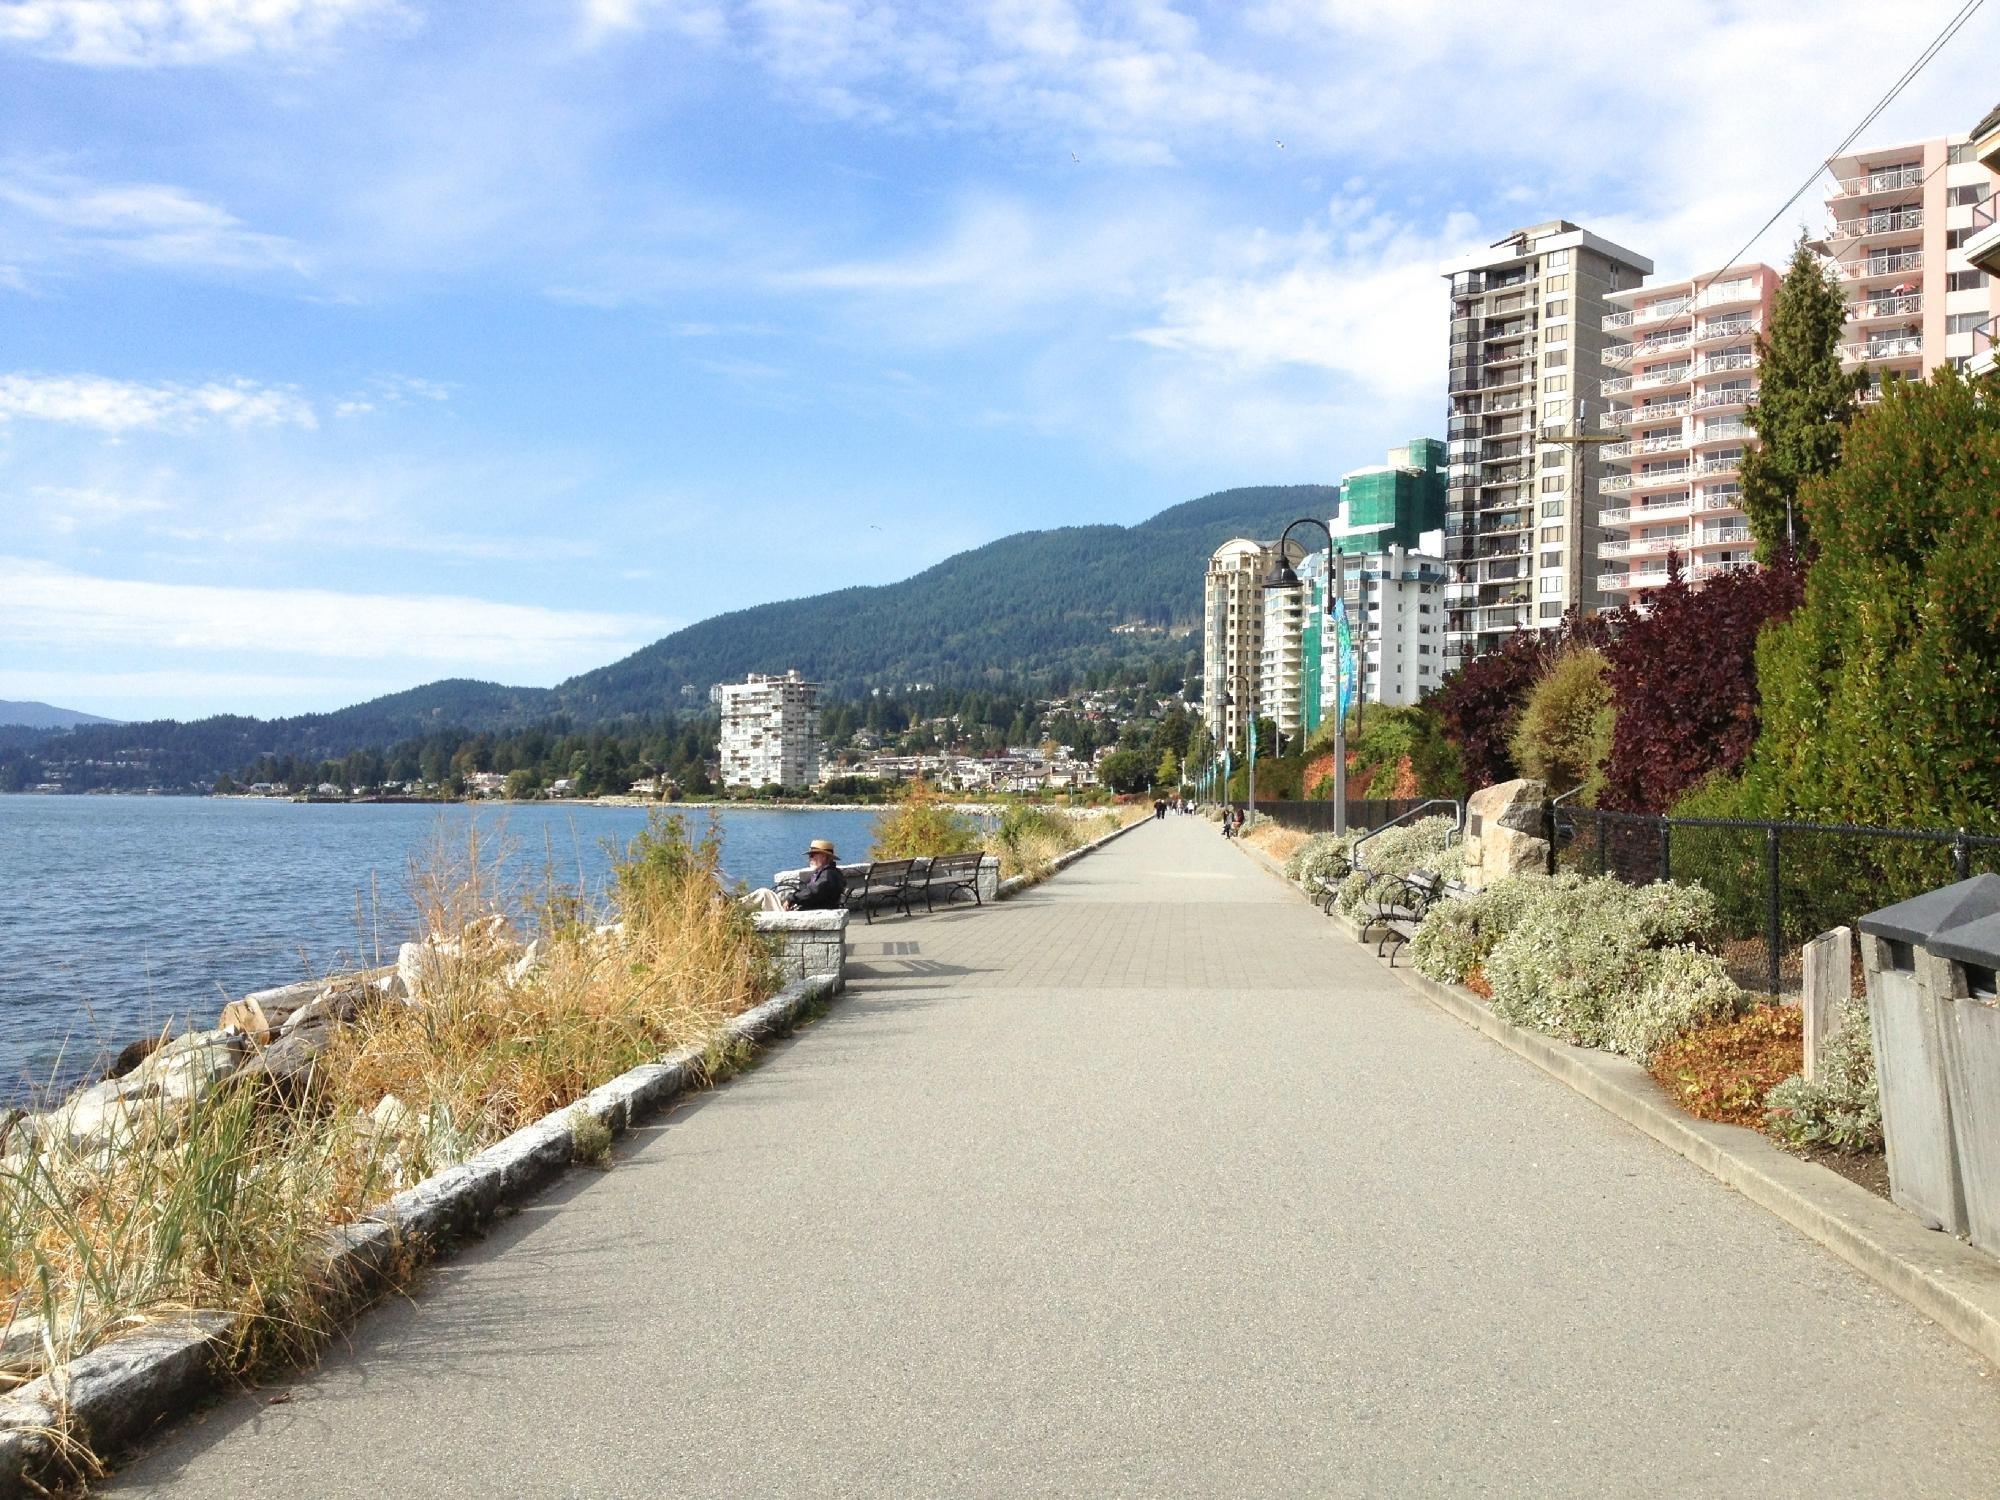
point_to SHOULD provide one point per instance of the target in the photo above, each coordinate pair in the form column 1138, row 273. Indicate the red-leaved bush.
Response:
column 1480, row 702
column 1684, row 681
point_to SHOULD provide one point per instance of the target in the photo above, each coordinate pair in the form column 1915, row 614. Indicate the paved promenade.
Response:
column 1145, row 1183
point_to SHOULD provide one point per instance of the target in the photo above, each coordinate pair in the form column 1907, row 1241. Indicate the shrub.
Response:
column 921, row 824
column 1878, row 701
column 1457, row 936
column 1723, row 1072
column 1319, row 857
column 1683, row 679
column 1563, row 736
column 1427, row 844
column 1479, row 703
column 1608, row 965
column 1842, row 1108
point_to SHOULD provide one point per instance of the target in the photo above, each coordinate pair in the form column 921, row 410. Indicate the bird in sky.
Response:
column 1074, row 157
column 1281, row 145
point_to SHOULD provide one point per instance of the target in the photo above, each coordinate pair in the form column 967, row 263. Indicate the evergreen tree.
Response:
column 1804, row 402
column 1879, row 704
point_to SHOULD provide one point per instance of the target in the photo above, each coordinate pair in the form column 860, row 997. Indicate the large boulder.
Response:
column 1505, row 828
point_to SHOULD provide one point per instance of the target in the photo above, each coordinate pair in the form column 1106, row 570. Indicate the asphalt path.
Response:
column 1144, row 1183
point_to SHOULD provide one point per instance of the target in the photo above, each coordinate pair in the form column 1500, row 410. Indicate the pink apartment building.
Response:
column 1687, row 375
column 1901, row 220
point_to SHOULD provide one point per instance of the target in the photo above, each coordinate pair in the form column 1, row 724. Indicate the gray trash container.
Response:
column 1910, row 990
column 1969, row 954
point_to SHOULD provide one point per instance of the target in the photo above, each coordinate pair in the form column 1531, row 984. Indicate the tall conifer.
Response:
column 1804, row 402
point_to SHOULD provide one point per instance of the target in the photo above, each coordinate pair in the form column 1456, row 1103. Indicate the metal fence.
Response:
column 1317, row 816
column 1776, row 885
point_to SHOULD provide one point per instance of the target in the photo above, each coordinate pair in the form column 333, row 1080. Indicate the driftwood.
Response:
column 284, row 1071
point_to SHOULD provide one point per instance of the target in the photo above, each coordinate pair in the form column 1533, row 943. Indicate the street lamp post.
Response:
column 1284, row 576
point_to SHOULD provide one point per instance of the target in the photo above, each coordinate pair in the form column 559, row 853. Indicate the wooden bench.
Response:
column 953, row 876
column 1397, row 905
column 884, row 883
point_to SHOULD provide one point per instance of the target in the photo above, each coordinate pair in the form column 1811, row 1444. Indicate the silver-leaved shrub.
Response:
column 1597, row 962
column 1319, row 858
column 1841, row 1108
column 1428, row 844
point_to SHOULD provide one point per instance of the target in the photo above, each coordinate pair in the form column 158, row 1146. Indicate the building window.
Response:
column 1552, row 559
column 1959, row 155
column 1554, row 358
column 1552, row 583
column 1953, row 238
column 1559, row 308
column 1552, row 533
column 1552, row 609
column 1964, row 281
column 1554, row 483
column 1970, row 192
column 1552, row 508
column 1964, row 322
column 1558, row 258
column 1556, row 383
column 1552, row 458
column 1556, row 284
column 1554, row 411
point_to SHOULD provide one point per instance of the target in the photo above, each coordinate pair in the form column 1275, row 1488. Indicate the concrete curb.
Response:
column 1942, row 1277
column 1014, row 885
column 117, row 1392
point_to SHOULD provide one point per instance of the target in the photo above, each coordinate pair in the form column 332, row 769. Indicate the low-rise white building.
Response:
column 770, row 731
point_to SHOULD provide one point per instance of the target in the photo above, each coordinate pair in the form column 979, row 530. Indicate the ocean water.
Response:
column 121, row 915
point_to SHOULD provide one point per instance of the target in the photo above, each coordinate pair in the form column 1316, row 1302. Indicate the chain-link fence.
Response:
column 1776, row 885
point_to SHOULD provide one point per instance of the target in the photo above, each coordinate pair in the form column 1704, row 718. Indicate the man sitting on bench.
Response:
column 821, row 890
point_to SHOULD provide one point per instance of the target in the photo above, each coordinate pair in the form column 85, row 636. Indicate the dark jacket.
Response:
column 821, row 890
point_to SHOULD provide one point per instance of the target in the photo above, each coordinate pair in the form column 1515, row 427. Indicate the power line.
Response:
column 1937, row 44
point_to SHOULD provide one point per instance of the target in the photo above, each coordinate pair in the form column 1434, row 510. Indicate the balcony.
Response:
column 1616, row 355
column 1883, row 180
column 1659, row 312
column 1612, row 322
column 1613, row 582
column 1662, row 343
column 1727, row 293
column 1512, row 475
column 1616, row 515
column 1723, row 536
column 1888, row 305
column 1652, row 546
column 1883, row 221
column 1717, row 329
column 1669, row 375
column 1659, row 411
column 1878, row 267
column 1742, row 395
column 1617, row 385
column 1720, row 463
column 1904, row 346
column 1665, row 477
column 1506, row 403
column 1982, row 243
column 1721, row 432
column 1716, row 364
column 1984, row 339
column 1730, row 500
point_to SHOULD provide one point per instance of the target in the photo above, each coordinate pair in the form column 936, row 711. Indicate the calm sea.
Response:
column 120, row 915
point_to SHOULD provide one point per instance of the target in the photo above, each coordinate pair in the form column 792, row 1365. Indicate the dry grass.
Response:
column 225, row 1205
column 1280, row 843
column 1029, row 839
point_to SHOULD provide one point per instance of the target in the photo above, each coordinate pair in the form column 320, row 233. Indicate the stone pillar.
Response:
column 808, row 944
column 989, row 878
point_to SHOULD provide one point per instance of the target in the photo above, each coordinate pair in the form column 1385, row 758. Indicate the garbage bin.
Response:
column 1910, row 998
column 1969, row 954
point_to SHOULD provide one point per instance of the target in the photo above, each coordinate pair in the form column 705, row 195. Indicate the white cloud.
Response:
column 118, row 406
column 68, row 509
column 45, row 605
column 149, row 222
column 150, row 33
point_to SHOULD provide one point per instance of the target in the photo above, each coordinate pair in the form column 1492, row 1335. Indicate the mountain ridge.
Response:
column 29, row 713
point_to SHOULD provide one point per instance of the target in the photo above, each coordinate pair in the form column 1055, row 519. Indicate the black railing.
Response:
column 1776, row 885
column 1316, row 816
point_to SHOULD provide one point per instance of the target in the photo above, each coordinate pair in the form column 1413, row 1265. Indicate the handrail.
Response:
column 1458, row 816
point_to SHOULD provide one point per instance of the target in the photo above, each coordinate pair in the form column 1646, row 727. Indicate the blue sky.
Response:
column 348, row 344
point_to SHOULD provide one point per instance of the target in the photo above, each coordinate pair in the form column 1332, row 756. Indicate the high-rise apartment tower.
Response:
column 1527, row 341
column 1232, row 636
column 770, row 731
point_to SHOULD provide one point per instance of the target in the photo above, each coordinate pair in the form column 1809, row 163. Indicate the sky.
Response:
column 350, row 344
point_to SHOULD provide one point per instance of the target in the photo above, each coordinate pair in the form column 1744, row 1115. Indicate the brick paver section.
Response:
column 1144, row 1183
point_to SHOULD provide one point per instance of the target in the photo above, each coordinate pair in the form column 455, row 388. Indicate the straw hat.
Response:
column 821, row 846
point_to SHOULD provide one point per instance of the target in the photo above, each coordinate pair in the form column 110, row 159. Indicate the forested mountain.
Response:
column 1014, row 609
column 1030, row 612
column 30, row 715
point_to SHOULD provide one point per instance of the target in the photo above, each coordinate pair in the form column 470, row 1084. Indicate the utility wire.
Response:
column 1937, row 44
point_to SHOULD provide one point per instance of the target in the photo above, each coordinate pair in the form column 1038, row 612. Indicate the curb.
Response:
column 1015, row 884
column 1941, row 1276
column 116, row 1392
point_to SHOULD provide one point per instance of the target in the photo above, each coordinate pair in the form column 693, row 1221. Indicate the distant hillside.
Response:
column 1018, row 607
column 45, row 716
column 1010, row 613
